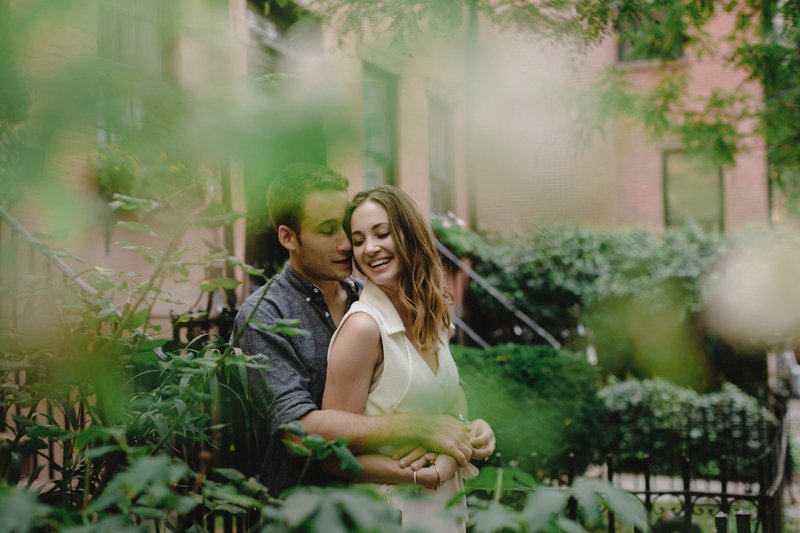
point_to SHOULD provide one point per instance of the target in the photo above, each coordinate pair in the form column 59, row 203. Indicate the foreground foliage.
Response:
column 132, row 432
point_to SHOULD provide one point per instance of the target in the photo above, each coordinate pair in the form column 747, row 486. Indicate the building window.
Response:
column 440, row 155
column 270, row 36
column 692, row 191
column 135, row 45
column 659, row 34
column 274, row 27
column 380, row 127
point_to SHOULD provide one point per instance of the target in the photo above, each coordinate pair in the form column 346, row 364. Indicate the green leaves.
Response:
column 358, row 508
column 137, row 227
column 501, row 480
column 315, row 448
column 20, row 509
column 545, row 509
column 208, row 285
column 147, row 488
column 286, row 326
column 592, row 494
column 494, row 517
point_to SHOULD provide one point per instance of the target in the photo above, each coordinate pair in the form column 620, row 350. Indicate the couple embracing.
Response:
column 376, row 368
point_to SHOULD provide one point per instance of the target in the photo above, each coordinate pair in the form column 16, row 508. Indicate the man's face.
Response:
column 323, row 252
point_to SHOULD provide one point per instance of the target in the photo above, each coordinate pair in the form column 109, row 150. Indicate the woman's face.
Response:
column 373, row 244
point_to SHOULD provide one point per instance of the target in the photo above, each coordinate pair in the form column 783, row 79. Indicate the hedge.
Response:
column 541, row 402
column 632, row 295
column 666, row 421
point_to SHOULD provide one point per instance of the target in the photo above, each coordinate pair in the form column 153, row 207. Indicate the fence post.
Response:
column 648, row 504
column 612, row 525
column 742, row 521
column 688, row 508
column 721, row 522
column 763, row 484
column 572, row 503
column 723, row 480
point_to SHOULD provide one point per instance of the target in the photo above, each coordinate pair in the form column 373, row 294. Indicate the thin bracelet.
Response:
column 438, row 476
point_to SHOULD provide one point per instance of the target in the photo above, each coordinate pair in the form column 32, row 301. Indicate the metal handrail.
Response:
column 44, row 250
column 459, row 323
column 497, row 295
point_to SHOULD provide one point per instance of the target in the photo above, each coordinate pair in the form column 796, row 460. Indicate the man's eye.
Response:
column 327, row 231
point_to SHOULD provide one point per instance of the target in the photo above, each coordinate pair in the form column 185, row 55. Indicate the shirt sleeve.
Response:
column 281, row 393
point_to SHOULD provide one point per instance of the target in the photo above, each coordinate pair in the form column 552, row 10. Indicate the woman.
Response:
column 390, row 353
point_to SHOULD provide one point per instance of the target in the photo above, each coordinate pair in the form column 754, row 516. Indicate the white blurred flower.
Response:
column 753, row 294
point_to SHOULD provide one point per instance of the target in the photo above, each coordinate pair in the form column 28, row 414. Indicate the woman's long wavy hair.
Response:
column 422, row 289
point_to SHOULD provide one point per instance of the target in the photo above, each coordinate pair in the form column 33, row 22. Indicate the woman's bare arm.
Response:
column 354, row 354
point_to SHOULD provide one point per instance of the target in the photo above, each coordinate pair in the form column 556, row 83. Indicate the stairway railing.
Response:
column 498, row 296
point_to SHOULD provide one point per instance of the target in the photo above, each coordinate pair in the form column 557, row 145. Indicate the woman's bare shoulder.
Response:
column 362, row 324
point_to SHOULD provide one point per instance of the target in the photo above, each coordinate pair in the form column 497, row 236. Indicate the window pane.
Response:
column 380, row 102
column 440, row 149
column 693, row 190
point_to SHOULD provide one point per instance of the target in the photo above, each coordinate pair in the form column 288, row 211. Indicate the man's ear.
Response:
column 287, row 237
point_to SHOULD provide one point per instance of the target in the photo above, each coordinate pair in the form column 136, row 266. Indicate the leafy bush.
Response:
column 541, row 402
column 666, row 421
column 633, row 296
column 454, row 234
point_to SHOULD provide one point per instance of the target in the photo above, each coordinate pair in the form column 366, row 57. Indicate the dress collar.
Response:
column 374, row 296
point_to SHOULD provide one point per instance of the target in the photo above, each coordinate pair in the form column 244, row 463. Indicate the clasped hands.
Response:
column 448, row 448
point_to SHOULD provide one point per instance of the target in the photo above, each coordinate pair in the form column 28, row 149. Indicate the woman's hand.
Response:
column 432, row 477
column 414, row 457
column 482, row 439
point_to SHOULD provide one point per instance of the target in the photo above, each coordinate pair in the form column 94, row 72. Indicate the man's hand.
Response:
column 439, row 433
column 482, row 439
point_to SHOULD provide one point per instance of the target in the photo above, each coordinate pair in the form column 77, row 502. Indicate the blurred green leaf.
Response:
column 138, row 318
column 209, row 285
column 296, row 448
column 20, row 510
column 494, row 517
column 137, row 227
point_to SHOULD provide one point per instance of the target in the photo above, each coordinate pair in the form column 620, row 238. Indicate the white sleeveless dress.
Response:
column 406, row 384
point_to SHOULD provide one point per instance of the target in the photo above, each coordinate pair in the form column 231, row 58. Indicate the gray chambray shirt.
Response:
column 295, row 381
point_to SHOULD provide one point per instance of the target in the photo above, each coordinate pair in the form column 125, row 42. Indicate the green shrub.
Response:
column 541, row 402
column 663, row 420
column 633, row 296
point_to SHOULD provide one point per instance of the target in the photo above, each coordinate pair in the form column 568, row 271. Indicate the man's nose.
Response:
column 344, row 243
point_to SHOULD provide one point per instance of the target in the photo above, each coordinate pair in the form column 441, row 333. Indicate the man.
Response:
column 307, row 206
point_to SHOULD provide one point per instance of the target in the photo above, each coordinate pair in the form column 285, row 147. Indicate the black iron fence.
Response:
column 680, row 502
column 32, row 275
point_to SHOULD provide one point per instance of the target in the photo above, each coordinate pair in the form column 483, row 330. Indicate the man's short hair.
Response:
column 289, row 190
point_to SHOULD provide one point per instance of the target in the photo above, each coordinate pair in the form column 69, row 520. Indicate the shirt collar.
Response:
column 305, row 286
column 374, row 295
